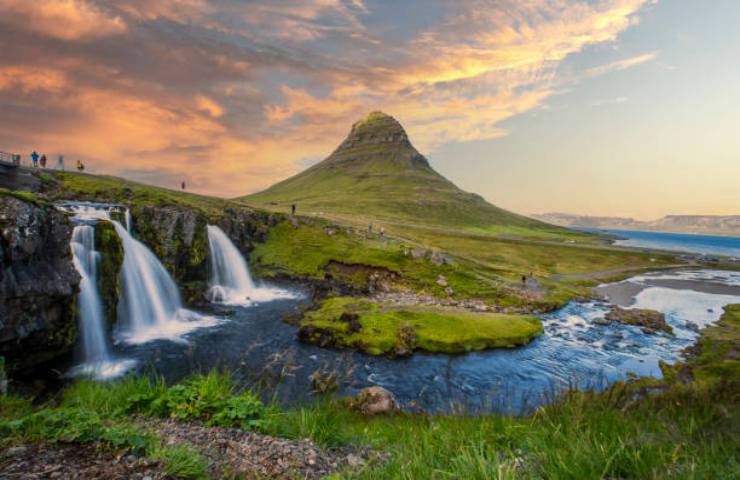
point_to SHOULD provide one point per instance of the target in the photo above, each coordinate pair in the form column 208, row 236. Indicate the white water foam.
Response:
column 149, row 307
column 231, row 283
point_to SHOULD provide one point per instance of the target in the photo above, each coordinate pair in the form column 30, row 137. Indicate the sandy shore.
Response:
column 623, row 293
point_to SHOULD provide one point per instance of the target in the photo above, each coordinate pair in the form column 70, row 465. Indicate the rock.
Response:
column 331, row 231
column 650, row 320
column 692, row 326
column 13, row 451
column 600, row 321
column 449, row 291
column 38, row 283
column 438, row 259
column 418, row 253
column 441, row 281
column 375, row 400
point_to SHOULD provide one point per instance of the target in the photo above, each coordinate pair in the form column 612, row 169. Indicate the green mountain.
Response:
column 376, row 173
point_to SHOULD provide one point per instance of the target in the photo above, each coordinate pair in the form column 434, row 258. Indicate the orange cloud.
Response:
column 62, row 19
column 230, row 95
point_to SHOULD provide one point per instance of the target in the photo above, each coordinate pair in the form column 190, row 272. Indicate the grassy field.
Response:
column 682, row 427
column 381, row 329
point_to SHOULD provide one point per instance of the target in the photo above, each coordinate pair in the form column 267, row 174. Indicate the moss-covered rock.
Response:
column 399, row 330
column 110, row 247
column 39, row 283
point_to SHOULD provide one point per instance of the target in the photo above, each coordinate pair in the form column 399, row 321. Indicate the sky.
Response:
column 598, row 107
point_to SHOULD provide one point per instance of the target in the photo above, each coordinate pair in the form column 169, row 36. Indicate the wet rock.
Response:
column 375, row 401
column 38, row 283
column 650, row 320
column 692, row 326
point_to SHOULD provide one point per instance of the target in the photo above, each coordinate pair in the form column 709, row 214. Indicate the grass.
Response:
column 649, row 428
column 22, row 195
column 386, row 181
column 379, row 329
column 83, row 186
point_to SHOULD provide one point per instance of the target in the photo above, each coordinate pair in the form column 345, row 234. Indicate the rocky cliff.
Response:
column 39, row 282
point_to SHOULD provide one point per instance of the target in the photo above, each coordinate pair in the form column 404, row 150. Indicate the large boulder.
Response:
column 38, row 283
column 375, row 401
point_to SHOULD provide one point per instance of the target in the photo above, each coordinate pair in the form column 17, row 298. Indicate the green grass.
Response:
column 386, row 181
column 385, row 329
column 22, row 195
column 644, row 429
column 83, row 186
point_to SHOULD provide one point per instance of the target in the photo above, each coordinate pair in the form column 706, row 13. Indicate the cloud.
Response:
column 623, row 64
column 61, row 19
column 232, row 94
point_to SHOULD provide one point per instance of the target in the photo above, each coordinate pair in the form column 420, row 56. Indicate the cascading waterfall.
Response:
column 85, row 260
column 98, row 361
column 149, row 307
column 231, row 283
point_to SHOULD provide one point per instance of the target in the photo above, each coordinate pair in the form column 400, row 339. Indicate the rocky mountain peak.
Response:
column 377, row 128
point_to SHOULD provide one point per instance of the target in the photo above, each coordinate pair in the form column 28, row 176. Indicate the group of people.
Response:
column 40, row 161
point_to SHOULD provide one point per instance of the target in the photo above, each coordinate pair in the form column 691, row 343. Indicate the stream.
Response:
column 243, row 331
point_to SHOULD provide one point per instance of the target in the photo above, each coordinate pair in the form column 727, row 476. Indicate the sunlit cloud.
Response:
column 235, row 95
column 621, row 64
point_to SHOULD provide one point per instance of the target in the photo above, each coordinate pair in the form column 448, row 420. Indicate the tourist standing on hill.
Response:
column 182, row 185
column 43, row 161
column 34, row 159
column 80, row 166
column 60, row 163
column 292, row 209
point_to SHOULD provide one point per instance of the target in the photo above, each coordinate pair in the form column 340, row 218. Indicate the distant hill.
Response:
column 707, row 224
column 377, row 173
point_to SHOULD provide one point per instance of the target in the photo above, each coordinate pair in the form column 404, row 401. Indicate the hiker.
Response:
column 292, row 209
column 524, row 280
column 80, row 166
column 382, row 231
column 34, row 159
column 182, row 185
column 43, row 161
column 60, row 163
column 370, row 228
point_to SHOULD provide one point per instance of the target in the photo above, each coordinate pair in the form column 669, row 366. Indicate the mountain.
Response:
column 707, row 224
column 376, row 173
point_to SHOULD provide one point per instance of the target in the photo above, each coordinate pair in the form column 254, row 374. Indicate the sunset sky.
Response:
column 610, row 107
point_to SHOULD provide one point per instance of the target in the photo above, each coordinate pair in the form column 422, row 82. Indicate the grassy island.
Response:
column 381, row 329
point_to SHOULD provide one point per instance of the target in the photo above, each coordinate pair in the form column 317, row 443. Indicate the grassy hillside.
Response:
column 377, row 174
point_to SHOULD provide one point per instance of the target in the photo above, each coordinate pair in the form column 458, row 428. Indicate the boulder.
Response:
column 375, row 401
column 650, row 320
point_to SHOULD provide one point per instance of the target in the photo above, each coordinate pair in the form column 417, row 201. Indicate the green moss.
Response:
column 108, row 243
column 24, row 196
column 384, row 329
column 718, row 348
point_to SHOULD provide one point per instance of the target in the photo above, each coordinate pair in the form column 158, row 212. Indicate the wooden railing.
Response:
column 11, row 158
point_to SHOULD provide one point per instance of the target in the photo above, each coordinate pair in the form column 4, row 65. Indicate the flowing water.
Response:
column 577, row 348
column 149, row 307
column 231, row 283
column 97, row 359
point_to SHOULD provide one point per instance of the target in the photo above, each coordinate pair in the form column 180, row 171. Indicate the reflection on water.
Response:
column 573, row 351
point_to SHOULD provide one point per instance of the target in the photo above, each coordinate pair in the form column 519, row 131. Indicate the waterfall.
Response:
column 127, row 217
column 98, row 361
column 92, row 323
column 149, row 307
column 231, row 283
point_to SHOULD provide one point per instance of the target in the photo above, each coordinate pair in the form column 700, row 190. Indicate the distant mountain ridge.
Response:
column 376, row 173
column 707, row 224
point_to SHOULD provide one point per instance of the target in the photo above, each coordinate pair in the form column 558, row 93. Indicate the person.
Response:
column 34, row 159
column 382, row 231
column 80, row 166
column 292, row 209
column 60, row 163
column 370, row 228
column 182, row 185
column 43, row 161
column 524, row 280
